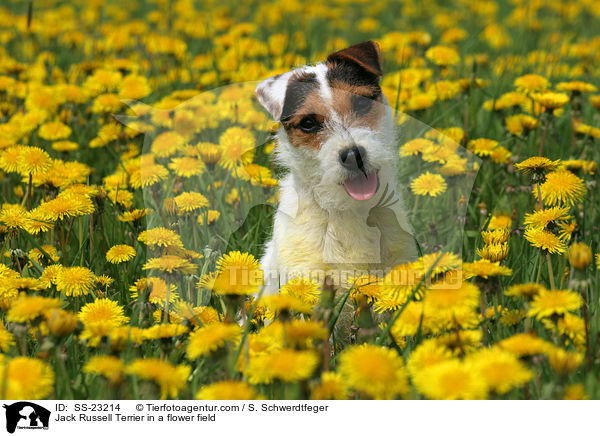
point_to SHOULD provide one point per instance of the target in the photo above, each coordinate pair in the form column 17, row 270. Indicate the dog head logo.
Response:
column 26, row 415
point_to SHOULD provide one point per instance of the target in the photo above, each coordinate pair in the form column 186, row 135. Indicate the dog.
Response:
column 340, row 213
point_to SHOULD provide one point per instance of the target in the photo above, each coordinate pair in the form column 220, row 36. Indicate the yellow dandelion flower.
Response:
column 28, row 308
column 587, row 166
column 9, row 158
column 365, row 285
column 541, row 218
column 575, row 392
column 525, row 344
column 104, row 280
column 412, row 319
column 13, row 216
column 547, row 303
column 538, row 165
column 37, row 222
column 427, row 354
column 147, row 175
column 482, row 146
column 134, row 87
column 210, row 338
column 27, row 378
column 237, row 147
column 106, row 103
column 501, row 371
column 375, row 371
column 167, row 144
column 531, row 83
column 420, row 101
column 285, row 303
column 33, row 161
column 545, row 240
column 170, row 379
column 119, row 337
column 170, row 264
column 187, row 166
column 162, row 331
column 283, row 364
column 120, row 254
column 156, row 288
column 550, row 100
column 562, row 361
column 54, row 130
column 238, row 274
column 198, row 315
column 302, row 333
column 561, row 187
column 333, row 386
column 395, row 295
column 576, row 86
column 415, row 146
column 304, row 289
column 450, row 380
column 75, row 281
column 484, row 268
column 110, row 367
column 160, row 237
column 428, row 184
column 441, row 298
column 99, row 318
column 227, row 390
column 443, row 56
column 134, row 215
column 7, row 339
column 65, row 146
column 524, row 290
column 191, row 201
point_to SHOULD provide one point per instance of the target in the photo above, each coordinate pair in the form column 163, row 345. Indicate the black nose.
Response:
column 353, row 158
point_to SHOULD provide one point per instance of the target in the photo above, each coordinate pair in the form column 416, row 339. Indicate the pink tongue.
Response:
column 361, row 187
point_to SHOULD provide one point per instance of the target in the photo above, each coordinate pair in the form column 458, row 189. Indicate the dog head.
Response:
column 336, row 133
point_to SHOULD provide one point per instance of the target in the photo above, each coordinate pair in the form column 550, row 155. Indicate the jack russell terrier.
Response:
column 340, row 213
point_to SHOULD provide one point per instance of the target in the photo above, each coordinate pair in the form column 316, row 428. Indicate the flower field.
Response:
column 138, row 191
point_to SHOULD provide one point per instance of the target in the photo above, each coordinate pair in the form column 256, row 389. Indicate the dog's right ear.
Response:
column 271, row 93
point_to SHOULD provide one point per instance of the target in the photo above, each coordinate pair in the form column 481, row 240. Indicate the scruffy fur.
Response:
column 318, row 228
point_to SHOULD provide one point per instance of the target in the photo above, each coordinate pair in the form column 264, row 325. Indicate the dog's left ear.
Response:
column 366, row 54
column 271, row 93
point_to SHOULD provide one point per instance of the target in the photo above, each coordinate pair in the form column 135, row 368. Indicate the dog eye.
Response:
column 309, row 124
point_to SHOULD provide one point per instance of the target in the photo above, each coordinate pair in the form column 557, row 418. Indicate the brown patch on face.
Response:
column 313, row 111
column 359, row 105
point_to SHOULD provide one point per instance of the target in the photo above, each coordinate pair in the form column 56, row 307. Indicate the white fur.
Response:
column 319, row 229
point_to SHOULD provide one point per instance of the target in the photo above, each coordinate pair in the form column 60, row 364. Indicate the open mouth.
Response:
column 362, row 186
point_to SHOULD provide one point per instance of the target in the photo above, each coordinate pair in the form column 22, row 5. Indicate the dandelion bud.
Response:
column 580, row 255
column 60, row 322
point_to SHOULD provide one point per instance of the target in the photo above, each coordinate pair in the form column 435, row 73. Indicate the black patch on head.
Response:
column 362, row 104
column 351, row 73
column 297, row 90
